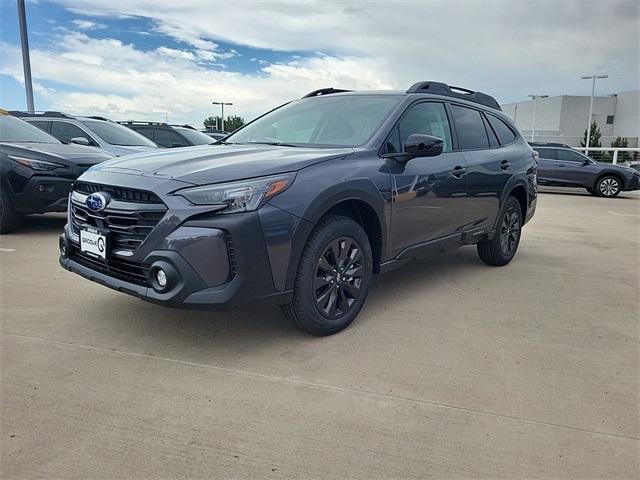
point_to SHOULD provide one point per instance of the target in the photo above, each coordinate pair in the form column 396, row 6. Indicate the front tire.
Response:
column 9, row 219
column 608, row 186
column 502, row 248
column 333, row 277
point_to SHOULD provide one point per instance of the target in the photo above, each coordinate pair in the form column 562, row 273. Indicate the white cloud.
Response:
column 87, row 25
column 108, row 77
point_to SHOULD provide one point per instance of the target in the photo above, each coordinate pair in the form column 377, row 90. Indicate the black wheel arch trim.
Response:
column 514, row 182
column 362, row 189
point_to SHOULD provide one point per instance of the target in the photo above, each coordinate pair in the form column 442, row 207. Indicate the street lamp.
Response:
column 222, row 104
column 535, row 108
column 593, row 89
column 26, row 62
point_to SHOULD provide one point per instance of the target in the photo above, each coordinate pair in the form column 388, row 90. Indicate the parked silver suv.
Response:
column 92, row 131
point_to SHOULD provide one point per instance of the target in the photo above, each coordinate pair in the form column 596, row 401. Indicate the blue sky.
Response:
column 140, row 58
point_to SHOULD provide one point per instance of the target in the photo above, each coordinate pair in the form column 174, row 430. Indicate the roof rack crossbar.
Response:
column 324, row 91
column 439, row 88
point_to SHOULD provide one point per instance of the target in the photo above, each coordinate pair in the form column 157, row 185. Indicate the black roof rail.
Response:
column 140, row 122
column 439, row 88
column 184, row 126
column 53, row 114
column 98, row 117
column 324, row 91
column 549, row 144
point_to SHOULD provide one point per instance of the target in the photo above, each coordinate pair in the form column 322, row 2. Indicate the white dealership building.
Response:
column 563, row 119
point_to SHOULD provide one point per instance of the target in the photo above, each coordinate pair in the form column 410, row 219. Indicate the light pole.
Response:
column 593, row 89
column 535, row 108
column 26, row 62
column 222, row 104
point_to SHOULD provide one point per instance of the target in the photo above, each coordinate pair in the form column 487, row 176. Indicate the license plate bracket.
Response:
column 94, row 242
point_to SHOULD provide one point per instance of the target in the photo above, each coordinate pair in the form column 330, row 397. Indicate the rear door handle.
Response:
column 505, row 165
column 459, row 171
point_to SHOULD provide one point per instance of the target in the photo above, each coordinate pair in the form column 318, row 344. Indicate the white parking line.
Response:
column 7, row 249
column 624, row 214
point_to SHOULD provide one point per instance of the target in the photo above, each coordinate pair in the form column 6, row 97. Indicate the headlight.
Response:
column 243, row 196
column 36, row 164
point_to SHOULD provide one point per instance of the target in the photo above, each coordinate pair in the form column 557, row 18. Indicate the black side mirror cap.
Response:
column 418, row 145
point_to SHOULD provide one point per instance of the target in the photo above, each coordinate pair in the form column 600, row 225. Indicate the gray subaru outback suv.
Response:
column 302, row 206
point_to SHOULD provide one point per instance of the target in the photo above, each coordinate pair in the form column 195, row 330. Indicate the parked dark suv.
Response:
column 170, row 136
column 301, row 206
column 560, row 165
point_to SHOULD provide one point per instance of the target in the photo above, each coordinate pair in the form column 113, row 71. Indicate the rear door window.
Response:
column 470, row 128
column 569, row 156
column 493, row 139
column 546, row 153
column 505, row 134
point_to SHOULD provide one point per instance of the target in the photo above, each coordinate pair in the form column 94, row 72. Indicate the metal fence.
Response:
column 631, row 153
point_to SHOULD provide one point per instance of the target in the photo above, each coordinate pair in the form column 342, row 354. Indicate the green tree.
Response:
column 594, row 141
column 231, row 123
column 621, row 142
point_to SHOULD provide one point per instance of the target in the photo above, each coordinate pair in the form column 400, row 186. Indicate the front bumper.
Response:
column 214, row 261
column 633, row 184
column 43, row 194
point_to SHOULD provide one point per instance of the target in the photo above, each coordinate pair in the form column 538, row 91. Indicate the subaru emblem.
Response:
column 96, row 202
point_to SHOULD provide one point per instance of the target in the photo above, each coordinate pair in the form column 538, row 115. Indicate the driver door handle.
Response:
column 505, row 165
column 459, row 171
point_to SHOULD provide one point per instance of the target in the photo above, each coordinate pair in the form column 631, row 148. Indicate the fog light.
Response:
column 161, row 278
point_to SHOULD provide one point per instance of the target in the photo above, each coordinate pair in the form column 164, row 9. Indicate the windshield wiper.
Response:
column 277, row 144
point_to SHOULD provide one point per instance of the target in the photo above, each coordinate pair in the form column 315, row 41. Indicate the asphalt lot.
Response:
column 454, row 369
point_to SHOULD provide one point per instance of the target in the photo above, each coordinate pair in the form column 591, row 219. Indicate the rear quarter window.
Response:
column 503, row 131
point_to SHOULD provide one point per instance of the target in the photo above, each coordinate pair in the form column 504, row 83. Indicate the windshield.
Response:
column 348, row 121
column 116, row 134
column 13, row 129
column 194, row 136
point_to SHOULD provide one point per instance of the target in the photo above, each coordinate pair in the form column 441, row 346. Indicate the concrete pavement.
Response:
column 453, row 369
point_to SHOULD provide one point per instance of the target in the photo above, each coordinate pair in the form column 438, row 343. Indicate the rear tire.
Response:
column 502, row 248
column 9, row 219
column 608, row 186
column 333, row 277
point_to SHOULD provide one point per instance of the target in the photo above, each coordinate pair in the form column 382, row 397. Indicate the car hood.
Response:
column 56, row 152
column 220, row 163
column 120, row 150
column 618, row 168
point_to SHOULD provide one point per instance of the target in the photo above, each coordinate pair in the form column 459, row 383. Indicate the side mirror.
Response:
column 80, row 141
column 586, row 162
column 418, row 145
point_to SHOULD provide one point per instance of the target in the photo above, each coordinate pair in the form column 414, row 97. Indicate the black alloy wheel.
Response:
column 338, row 278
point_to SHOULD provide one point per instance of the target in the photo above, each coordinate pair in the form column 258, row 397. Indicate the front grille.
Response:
column 128, row 223
column 127, row 228
column 118, row 193
column 128, row 271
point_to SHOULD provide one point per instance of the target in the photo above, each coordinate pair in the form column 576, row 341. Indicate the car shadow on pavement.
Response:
column 168, row 332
